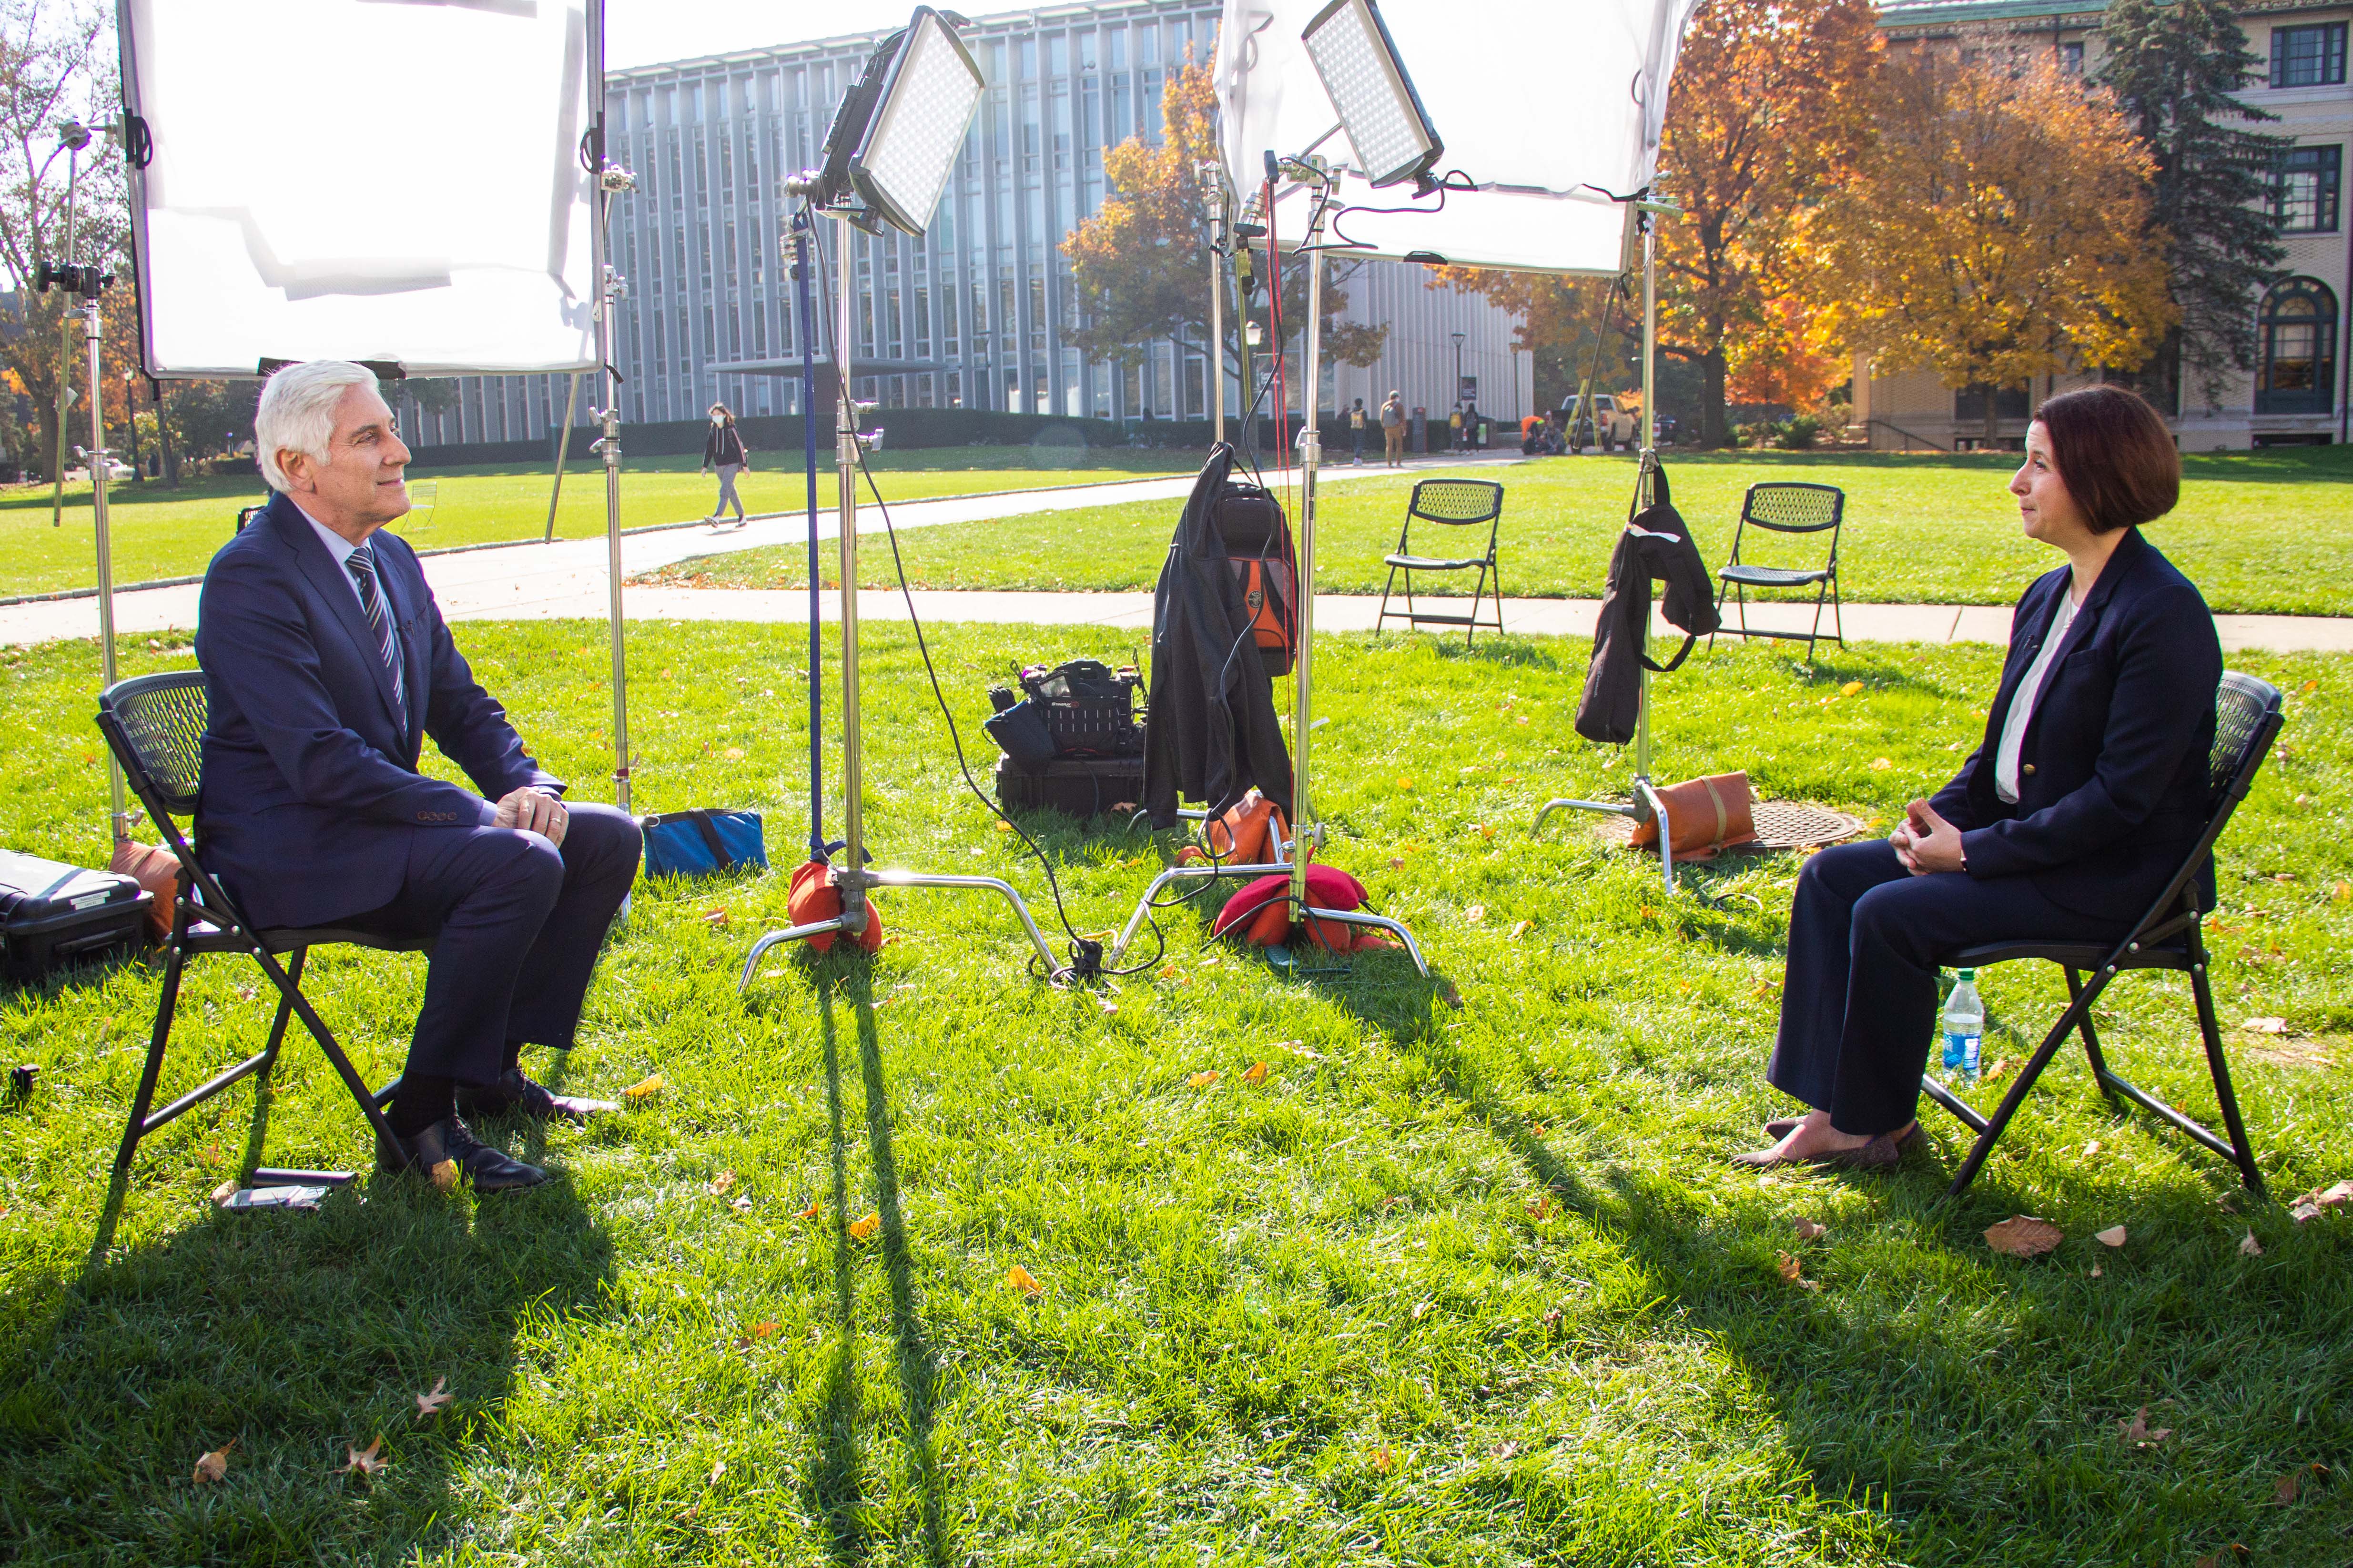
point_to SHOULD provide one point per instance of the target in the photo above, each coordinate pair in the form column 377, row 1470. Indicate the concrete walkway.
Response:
column 568, row 580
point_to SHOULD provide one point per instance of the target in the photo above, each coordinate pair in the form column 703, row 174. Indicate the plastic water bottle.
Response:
column 1964, row 1028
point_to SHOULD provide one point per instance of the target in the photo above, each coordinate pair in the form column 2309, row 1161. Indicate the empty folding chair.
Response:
column 1786, row 508
column 1448, row 504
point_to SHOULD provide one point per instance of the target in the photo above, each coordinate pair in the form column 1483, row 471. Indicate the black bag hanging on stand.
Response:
column 1214, row 734
column 1656, row 544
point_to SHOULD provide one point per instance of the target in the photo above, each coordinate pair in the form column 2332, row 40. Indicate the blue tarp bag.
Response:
column 704, row 843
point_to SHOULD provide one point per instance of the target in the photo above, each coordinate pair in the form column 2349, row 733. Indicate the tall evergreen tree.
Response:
column 2175, row 68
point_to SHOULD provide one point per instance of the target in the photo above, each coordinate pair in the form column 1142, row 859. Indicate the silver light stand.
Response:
column 612, row 180
column 1221, row 234
column 75, row 137
column 1646, row 804
column 850, row 876
column 87, row 282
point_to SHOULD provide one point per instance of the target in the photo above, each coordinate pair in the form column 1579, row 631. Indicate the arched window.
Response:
column 2298, row 325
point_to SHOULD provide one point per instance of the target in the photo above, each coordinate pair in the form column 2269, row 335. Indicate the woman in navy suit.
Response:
column 2070, row 817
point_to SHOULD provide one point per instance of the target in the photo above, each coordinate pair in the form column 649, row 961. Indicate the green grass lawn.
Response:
column 1448, row 1286
column 2256, row 531
column 162, row 534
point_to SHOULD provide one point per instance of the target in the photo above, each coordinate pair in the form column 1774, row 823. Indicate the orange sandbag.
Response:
column 1703, row 816
column 814, row 898
column 157, row 870
column 1245, row 835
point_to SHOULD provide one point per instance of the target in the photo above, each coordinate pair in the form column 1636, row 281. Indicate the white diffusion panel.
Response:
column 362, row 179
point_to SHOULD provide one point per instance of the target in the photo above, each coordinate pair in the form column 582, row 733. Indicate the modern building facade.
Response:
column 2298, row 392
column 976, row 313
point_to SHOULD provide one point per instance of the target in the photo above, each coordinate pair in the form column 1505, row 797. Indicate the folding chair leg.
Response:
column 1838, row 621
column 2075, row 1013
column 165, row 1005
column 2240, row 1151
column 285, row 1011
column 293, row 997
column 2091, row 1038
column 1387, row 584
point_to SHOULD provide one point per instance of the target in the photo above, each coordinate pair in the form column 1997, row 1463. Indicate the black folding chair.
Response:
column 2247, row 717
column 1451, row 503
column 1785, row 509
column 155, row 724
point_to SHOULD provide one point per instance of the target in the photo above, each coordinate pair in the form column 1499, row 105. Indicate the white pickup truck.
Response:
column 1608, row 426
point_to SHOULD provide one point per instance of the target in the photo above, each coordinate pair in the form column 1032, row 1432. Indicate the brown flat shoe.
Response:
column 1780, row 1127
column 1881, row 1152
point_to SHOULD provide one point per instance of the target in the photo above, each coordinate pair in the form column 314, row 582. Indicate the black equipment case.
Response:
column 1082, row 786
column 52, row 914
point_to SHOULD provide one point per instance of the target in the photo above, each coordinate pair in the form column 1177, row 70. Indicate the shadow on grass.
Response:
column 292, row 1338
column 836, row 1484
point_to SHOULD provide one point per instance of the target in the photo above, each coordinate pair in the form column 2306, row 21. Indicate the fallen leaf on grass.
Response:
column 742, row 1206
column 364, row 1462
column 1851, row 688
column 1020, row 1279
column 718, row 1468
column 431, row 1404
column 2266, row 1026
column 1807, row 1229
column 756, row 1333
column 1790, row 1274
column 1475, row 913
column 1384, row 1462
column 2333, row 1197
column 1507, row 1450
column 809, row 1213
column 1201, row 1080
column 1998, row 1068
column 2250, row 1248
column 2091, row 1149
column 2283, row 1491
column 226, row 1191
column 2342, row 891
column 722, row 1182
column 1420, row 1310
column 1520, row 929
column 645, row 1088
column 1542, row 1207
column 2136, row 1432
column 215, row 1464
column 1881, row 765
column 2023, row 1235
column 1003, row 826
column 1396, row 863
column 445, row 1176
column 2305, row 1209
column 1552, row 1317
column 2112, row 1237
column 860, row 1229
column 1405, row 782
column 1256, row 1075
column 716, row 919
column 2095, row 1272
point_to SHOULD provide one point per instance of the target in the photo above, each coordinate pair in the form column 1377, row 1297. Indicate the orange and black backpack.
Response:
column 1258, row 551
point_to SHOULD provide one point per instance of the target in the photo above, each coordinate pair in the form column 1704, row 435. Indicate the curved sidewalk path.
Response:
column 568, row 580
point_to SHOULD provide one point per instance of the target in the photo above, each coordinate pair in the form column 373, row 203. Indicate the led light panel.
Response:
column 1391, row 137
column 918, row 130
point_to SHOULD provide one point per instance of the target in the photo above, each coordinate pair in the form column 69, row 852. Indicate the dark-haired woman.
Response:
column 2070, row 817
column 724, row 449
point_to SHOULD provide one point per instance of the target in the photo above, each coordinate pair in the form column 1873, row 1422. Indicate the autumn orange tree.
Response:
column 1768, row 104
column 1995, row 229
column 1141, row 264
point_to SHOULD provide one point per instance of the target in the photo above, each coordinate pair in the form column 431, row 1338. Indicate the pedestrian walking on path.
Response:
column 1357, row 432
column 1393, row 428
column 724, row 449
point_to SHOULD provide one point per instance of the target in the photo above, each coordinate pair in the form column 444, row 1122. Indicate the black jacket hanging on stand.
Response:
column 1657, row 545
column 1213, row 734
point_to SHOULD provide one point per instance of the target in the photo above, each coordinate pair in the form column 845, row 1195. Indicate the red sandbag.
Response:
column 1261, row 913
column 814, row 898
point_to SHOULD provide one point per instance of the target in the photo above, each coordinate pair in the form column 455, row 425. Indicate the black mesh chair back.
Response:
column 2248, row 715
column 1451, row 503
column 155, row 725
column 1456, row 502
column 1786, row 507
column 161, row 721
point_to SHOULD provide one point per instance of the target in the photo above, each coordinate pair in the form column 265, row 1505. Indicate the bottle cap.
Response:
column 1969, row 975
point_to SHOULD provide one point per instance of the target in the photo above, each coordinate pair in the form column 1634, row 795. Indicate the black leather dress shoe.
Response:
column 448, row 1152
column 516, row 1095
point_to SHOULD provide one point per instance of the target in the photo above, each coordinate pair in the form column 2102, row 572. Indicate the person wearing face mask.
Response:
column 2086, row 791
column 724, row 449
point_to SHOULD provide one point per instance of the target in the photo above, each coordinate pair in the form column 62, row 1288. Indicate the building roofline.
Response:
column 1945, row 13
column 844, row 43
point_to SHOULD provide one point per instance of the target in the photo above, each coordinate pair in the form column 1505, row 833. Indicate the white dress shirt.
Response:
column 341, row 550
column 2021, row 705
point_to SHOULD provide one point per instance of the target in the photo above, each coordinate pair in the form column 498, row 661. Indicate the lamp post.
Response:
column 1461, row 437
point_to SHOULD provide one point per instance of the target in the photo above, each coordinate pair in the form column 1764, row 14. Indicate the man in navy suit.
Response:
column 327, row 664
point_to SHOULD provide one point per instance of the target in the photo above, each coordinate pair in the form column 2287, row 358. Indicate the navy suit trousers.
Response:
column 516, row 925
column 1859, row 994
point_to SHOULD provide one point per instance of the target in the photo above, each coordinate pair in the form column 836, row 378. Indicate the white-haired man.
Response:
column 327, row 664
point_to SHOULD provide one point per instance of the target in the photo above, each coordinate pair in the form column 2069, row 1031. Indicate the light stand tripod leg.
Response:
column 1181, row 874
column 772, row 939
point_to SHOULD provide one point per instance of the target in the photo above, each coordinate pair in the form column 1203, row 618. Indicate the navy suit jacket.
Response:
column 2112, row 782
column 311, row 789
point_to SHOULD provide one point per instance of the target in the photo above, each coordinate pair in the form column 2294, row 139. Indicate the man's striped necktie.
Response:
column 361, row 564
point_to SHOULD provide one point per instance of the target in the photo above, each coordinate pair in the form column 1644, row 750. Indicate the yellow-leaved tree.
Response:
column 1995, row 229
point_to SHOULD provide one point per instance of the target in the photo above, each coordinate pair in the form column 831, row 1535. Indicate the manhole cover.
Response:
column 1781, row 825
